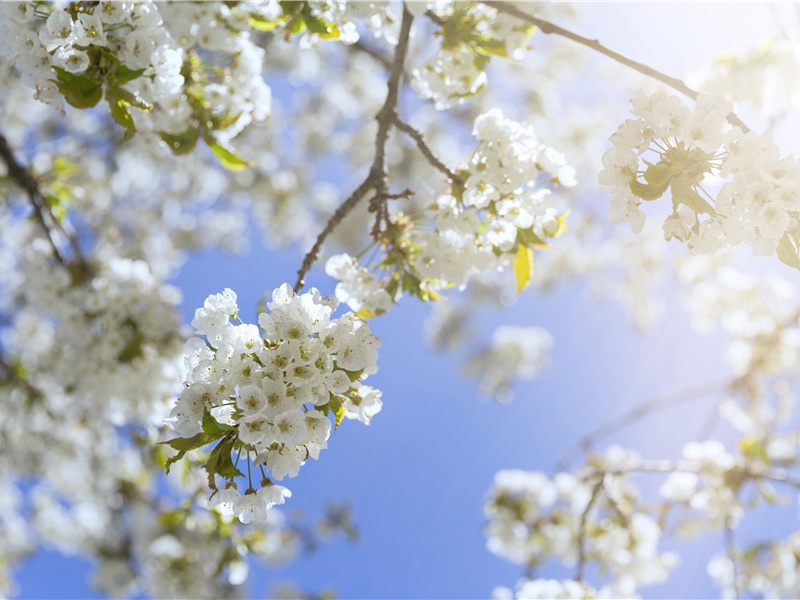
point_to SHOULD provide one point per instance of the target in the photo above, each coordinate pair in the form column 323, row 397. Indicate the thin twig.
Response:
column 582, row 529
column 776, row 474
column 729, row 550
column 386, row 118
column 22, row 177
column 547, row 27
column 419, row 139
column 637, row 413
column 333, row 222
column 377, row 179
column 369, row 51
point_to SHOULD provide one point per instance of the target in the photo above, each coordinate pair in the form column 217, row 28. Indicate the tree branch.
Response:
column 333, row 222
column 637, row 413
column 547, row 27
column 369, row 51
column 22, row 177
column 418, row 138
column 730, row 549
column 582, row 528
column 377, row 179
column 776, row 474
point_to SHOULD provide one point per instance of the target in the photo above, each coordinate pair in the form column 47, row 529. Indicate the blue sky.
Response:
column 417, row 477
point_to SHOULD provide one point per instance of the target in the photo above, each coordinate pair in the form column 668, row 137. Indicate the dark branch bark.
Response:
column 377, row 179
column 548, row 28
column 22, row 177
column 418, row 138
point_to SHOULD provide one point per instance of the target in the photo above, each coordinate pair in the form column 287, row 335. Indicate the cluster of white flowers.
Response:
column 760, row 312
column 110, row 345
column 233, row 93
column 357, row 287
column 566, row 589
column 708, row 489
column 761, row 76
column 457, row 71
column 89, row 42
column 767, row 570
column 140, row 52
column 449, row 78
column 513, row 353
column 688, row 151
column 532, row 517
column 271, row 396
column 481, row 227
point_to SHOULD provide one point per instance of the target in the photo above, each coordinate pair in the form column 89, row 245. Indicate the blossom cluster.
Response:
column 470, row 35
column 592, row 516
column 760, row 312
column 704, row 485
column 688, row 152
column 499, row 208
column 491, row 219
column 513, row 353
column 268, row 397
column 147, row 56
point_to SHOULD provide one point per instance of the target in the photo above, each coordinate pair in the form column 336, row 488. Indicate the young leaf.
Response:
column 227, row 157
column 492, row 46
column 219, row 461
column 562, row 223
column 338, row 414
column 125, row 74
column 787, row 251
column 214, row 428
column 79, row 91
column 523, row 267
column 184, row 445
column 118, row 110
column 182, row 143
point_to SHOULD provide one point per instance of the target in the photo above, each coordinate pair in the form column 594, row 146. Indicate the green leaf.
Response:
column 318, row 25
column 787, row 251
column 336, row 406
column 128, row 97
column 184, row 445
column 213, row 427
column 124, row 73
column 492, row 47
column 657, row 178
column 118, row 110
column 260, row 24
column 219, row 461
column 353, row 375
column 182, row 143
column 79, row 91
column 529, row 238
column 227, row 157
column 684, row 194
column 523, row 267
column 562, row 223
column 411, row 284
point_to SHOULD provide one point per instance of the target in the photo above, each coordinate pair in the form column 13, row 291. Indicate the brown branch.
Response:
column 377, row 179
column 418, row 138
column 547, row 27
column 776, row 474
column 730, row 550
column 582, row 528
column 369, row 51
column 333, row 222
column 23, row 178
